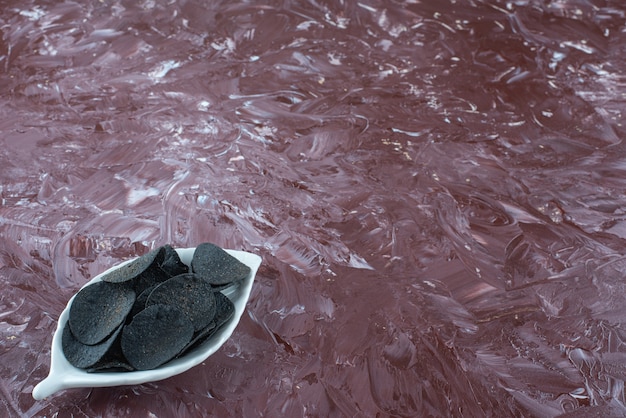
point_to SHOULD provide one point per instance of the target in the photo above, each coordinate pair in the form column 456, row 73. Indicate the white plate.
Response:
column 64, row 376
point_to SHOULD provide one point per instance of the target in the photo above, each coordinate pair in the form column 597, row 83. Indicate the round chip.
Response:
column 172, row 265
column 199, row 337
column 98, row 310
column 114, row 365
column 82, row 355
column 140, row 302
column 225, row 309
column 189, row 293
column 155, row 335
column 217, row 266
column 133, row 269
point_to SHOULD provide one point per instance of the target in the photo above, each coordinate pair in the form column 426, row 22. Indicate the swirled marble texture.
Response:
column 437, row 189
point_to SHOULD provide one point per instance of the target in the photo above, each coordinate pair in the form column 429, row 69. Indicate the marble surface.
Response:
column 436, row 189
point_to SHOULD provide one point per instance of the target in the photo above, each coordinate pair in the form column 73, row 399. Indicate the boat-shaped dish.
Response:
column 63, row 375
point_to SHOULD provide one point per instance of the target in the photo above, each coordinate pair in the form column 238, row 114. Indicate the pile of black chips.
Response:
column 151, row 310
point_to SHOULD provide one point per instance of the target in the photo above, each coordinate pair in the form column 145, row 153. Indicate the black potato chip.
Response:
column 172, row 265
column 136, row 267
column 142, row 272
column 189, row 293
column 140, row 302
column 155, row 335
column 217, row 266
column 114, row 365
column 82, row 355
column 198, row 337
column 98, row 310
column 225, row 310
